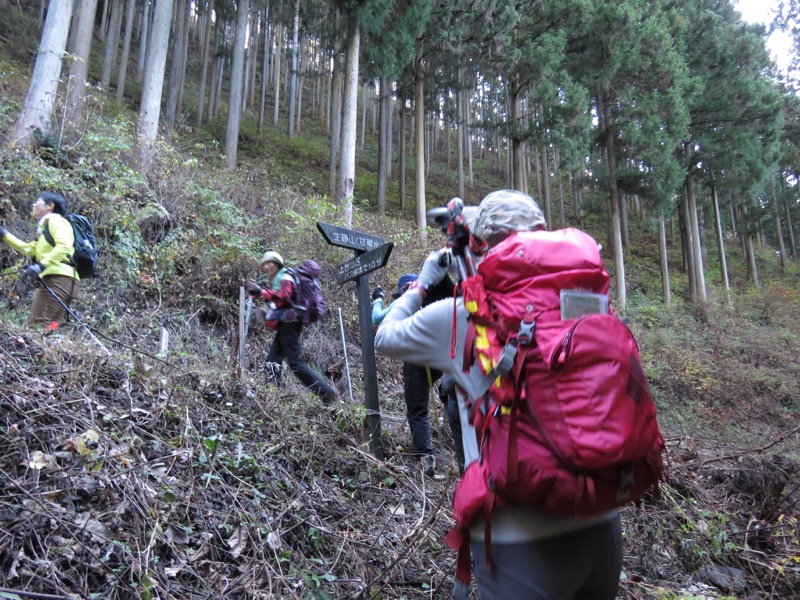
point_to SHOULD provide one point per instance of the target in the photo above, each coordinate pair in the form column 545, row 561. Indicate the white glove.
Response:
column 434, row 269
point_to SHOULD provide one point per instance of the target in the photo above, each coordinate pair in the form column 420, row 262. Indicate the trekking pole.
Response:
column 247, row 312
column 346, row 363
column 74, row 316
column 458, row 236
column 244, row 320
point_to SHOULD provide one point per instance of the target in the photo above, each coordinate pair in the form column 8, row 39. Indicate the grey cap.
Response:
column 271, row 256
column 504, row 212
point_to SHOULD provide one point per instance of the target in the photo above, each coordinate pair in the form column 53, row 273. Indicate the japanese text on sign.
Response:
column 364, row 263
column 351, row 239
column 355, row 268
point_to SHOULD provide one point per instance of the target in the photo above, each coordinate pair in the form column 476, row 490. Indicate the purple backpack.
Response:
column 309, row 301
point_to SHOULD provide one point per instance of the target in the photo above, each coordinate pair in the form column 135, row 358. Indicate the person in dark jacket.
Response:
column 288, row 327
column 52, row 266
column 447, row 394
column 417, row 379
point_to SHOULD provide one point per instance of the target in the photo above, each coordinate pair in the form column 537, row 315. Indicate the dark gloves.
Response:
column 3, row 232
column 31, row 272
column 253, row 288
column 447, row 388
column 377, row 294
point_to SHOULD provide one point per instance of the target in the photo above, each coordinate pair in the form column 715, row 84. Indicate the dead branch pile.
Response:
column 123, row 479
column 126, row 483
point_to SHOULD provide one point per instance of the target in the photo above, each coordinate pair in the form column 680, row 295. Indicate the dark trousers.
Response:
column 286, row 346
column 417, row 393
column 447, row 394
column 580, row 565
column 454, row 419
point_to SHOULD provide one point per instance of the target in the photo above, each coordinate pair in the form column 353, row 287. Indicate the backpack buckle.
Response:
column 506, row 361
column 525, row 333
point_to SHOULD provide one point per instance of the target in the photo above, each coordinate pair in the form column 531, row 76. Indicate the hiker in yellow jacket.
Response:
column 52, row 264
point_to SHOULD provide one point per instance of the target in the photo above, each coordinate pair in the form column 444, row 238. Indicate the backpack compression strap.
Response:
column 458, row 538
column 509, row 353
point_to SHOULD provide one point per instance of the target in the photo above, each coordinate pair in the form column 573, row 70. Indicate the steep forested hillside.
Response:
column 145, row 465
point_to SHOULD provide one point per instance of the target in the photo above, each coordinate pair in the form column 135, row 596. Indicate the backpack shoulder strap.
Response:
column 47, row 235
column 506, row 363
column 295, row 281
column 295, row 278
column 50, row 240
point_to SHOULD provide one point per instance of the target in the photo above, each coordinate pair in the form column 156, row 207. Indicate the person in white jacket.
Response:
column 535, row 556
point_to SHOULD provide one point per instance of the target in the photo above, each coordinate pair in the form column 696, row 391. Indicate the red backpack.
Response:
column 565, row 421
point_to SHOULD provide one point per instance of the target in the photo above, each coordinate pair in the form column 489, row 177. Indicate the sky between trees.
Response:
column 763, row 11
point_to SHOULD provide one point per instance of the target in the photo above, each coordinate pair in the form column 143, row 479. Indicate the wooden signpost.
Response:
column 372, row 253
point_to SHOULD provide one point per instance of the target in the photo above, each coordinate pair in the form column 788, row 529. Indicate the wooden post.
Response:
column 163, row 348
column 371, row 253
column 242, row 330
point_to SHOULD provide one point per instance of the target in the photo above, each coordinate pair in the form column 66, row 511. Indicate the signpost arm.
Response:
column 368, row 362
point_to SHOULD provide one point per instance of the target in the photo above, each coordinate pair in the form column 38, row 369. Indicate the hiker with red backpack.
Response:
column 52, row 266
column 285, row 316
column 556, row 437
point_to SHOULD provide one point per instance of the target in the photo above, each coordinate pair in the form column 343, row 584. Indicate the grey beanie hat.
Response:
column 506, row 211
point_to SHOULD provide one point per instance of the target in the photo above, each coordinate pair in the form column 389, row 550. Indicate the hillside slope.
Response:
column 126, row 477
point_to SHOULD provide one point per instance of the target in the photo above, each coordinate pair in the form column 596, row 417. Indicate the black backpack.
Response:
column 84, row 256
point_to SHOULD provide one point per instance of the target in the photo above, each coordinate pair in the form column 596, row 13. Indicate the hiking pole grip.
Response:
column 454, row 263
column 458, row 236
column 453, row 223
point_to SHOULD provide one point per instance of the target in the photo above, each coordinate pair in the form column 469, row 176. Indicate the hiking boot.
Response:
column 429, row 465
column 272, row 372
column 330, row 400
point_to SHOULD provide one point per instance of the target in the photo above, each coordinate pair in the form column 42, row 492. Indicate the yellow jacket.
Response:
column 54, row 259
